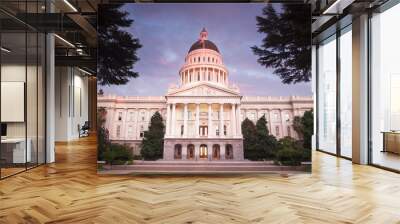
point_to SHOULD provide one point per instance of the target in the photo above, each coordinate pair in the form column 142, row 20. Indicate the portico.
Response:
column 203, row 111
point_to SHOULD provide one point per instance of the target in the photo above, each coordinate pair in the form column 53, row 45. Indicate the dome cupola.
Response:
column 203, row 63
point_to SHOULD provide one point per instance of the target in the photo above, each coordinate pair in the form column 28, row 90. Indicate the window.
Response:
column 198, row 76
column 289, row 131
column 130, row 130
column 208, row 59
column 212, row 59
column 182, row 128
column 194, row 59
column 143, row 115
column 277, row 131
column 204, row 59
column 346, row 93
column 225, row 130
column 276, row 117
column 287, row 117
column 118, row 131
column 198, row 59
column 141, row 131
column 327, row 95
column 385, row 88
column 120, row 116
column 216, row 130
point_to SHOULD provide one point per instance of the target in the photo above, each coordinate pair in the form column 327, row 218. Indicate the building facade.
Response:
column 203, row 114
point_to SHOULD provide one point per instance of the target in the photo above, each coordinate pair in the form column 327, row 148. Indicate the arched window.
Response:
column 190, row 151
column 203, row 153
column 178, row 151
column 228, row 151
column 216, row 152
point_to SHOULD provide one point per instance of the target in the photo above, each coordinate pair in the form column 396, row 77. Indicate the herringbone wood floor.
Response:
column 70, row 191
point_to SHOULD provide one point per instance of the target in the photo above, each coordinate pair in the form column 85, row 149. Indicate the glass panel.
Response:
column 41, row 98
column 385, row 89
column 327, row 95
column 31, row 98
column 13, row 87
column 346, row 93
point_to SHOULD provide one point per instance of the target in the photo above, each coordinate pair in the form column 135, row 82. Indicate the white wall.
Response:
column 71, row 102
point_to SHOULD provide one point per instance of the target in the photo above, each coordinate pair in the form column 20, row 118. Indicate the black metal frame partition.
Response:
column 337, row 35
column 44, row 95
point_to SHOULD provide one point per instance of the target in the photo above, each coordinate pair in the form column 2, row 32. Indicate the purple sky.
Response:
column 167, row 31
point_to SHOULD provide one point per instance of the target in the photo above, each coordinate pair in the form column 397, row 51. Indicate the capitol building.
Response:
column 203, row 113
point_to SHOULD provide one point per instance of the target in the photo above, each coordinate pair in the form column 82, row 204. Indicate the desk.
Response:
column 391, row 141
column 15, row 148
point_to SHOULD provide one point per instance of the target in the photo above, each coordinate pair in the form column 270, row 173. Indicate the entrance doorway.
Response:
column 190, row 151
column 203, row 152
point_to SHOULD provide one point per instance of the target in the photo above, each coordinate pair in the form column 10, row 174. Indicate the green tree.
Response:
column 103, row 140
column 286, row 47
column 117, row 48
column 153, row 141
column 266, row 144
column 249, row 132
column 304, row 126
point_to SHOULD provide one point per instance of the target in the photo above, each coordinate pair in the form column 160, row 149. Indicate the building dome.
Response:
column 203, row 43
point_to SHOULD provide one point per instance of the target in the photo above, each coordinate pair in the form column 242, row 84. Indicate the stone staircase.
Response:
column 201, row 167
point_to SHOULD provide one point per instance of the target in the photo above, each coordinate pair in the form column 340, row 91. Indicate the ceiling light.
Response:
column 70, row 5
column 5, row 50
column 64, row 40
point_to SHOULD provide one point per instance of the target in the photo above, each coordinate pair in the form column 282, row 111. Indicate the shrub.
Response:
column 292, row 152
column 118, row 154
column 289, row 157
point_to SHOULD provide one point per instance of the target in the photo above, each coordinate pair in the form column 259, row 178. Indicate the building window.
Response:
column 130, row 130
column 287, row 117
column 225, row 130
column 198, row 59
column 277, row 131
column 204, row 59
column 276, row 117
column 289, row 131
column 120, row 116
column 182, row 128
column 216, row 130
column 198, row 76
column 141, row 131
column 118, row 134
column 208, row 59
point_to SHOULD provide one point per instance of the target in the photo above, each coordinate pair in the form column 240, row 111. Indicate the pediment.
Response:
column 203, row 90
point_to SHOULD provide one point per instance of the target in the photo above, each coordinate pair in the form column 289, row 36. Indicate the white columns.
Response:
column 184, row 151
column 185, row 118
column 197, row 119
column 239, row 121
column 282, row 123
column 221, row 120
column 233, row 120
column 173, row 119
column 167, row 122
column 270, row 121
column 209, row 128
